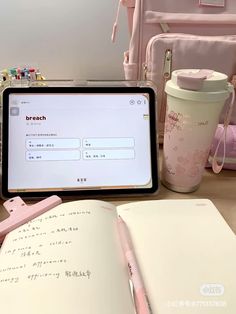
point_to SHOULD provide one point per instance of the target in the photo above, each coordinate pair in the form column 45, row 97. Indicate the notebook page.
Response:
column 68, row 260
column 186, row 253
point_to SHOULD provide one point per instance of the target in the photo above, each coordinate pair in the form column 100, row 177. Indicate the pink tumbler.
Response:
column 195, row 99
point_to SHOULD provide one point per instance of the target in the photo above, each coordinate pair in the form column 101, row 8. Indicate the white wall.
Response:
column 64, row 38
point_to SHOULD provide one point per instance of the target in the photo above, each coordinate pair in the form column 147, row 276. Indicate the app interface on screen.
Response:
column 78, row 141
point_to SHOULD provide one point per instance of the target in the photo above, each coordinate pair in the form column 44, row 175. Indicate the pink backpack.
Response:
column 167, row 35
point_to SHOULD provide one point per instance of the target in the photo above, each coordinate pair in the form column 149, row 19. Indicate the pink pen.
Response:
column 141, row 300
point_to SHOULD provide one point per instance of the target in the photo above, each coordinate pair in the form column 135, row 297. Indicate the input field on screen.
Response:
column 52, row 155
column 111, row 142
column 60, row 143
column 102, row 154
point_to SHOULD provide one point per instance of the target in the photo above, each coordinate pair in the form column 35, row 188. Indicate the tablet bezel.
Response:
column 88, row 192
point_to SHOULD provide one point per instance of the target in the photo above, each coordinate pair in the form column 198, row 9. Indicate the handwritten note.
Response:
column 71, row 253
column 43, row 234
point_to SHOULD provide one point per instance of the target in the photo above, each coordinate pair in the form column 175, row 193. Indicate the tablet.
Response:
column 79, row 141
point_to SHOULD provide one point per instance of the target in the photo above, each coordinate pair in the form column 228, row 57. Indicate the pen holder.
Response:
column 3, row 85
column 16, row 77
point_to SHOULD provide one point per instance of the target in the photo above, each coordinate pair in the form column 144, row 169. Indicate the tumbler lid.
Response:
column 199, row 85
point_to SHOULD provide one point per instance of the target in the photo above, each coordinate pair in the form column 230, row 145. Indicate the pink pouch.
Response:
column 230, row 147
column 168, row 52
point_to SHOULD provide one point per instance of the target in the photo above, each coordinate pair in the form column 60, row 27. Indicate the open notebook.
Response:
column 70, row 260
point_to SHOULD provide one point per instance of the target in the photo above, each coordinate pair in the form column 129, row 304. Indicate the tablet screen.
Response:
column 80, row 139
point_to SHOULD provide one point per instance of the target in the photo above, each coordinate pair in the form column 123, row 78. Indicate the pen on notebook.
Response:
column 141, row 299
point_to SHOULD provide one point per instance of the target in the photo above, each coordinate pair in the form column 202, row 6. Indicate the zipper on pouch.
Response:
column 145, row 70
column 166, row 74
column 167, row 65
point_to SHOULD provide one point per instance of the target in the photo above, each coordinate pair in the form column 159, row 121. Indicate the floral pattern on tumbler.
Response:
column 185, row 156
column 174, row 120
column 190, row 164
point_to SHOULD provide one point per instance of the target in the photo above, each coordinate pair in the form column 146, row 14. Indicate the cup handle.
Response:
column 215, row 166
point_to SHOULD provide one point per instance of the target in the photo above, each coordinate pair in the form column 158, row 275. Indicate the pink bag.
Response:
column 230, row 147
column 167, row 35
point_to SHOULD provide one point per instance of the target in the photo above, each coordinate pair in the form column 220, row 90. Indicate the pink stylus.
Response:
column 141, row 299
